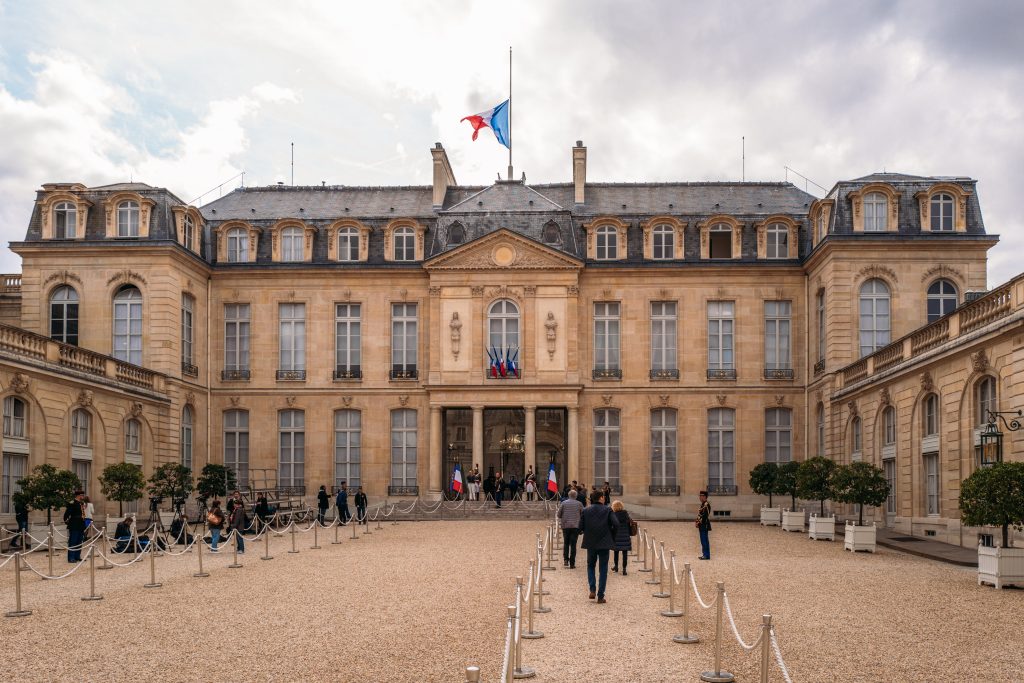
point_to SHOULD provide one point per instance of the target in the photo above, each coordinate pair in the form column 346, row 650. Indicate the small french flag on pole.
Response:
column 457, row 479
column 496, row 119
column 552, row 479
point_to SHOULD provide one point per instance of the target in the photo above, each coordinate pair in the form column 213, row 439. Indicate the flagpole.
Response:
column 510, row 112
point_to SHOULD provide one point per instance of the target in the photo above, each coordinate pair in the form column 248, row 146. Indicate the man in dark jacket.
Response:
column 342, row 502
column 598, row 525
column 323, row 501
column 74, row 517
column 21, row 517
column 569, row 514
column 704, row 526
column 361, row 506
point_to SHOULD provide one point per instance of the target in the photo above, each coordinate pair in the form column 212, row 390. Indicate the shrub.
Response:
column 764, row 480
column 122, row 481
column 171, row 480
column 814, row 480
column 994, row 496
column 215, row 480
column 48, row 488
column 787, row 480
column 860, row 483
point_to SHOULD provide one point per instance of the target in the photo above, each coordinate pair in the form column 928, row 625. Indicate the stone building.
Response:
column 663, row 337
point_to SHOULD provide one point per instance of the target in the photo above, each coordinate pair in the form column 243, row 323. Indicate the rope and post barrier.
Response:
column 18, row 611
column 351, row 523
column 291, row 529
column 199, row 574
column 520, row 671
column 472, row 674
column 153, row 583
column 92, row 576
column 718, row 675
column 645, row 556
column 49, row 551
column 106, row 550
column 766, row 643
column 336, row 525
column 655, row 563
column 235, row 564
column 664, row 590
column 531, row 633
column 672, row 611
column 686, row 637
column 316, row 536
column 266, row 544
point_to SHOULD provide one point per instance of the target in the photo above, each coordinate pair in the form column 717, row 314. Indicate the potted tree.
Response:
column 764, row 481
column 814, row 482
column 170, row 480
column 860, row 483
column 792, row 519
column 994, row 496
column 214, row 481
column 122, row 481
column 48, row 488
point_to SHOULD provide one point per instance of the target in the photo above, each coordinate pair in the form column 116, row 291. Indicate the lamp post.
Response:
column 991, row 439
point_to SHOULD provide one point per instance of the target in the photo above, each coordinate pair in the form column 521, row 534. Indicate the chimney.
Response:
column 579, row 171
column 443, row 176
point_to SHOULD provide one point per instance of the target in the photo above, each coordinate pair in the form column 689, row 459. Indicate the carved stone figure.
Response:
column 19, row 383
column 456, row 331
column 551, row 325
column 85, row 398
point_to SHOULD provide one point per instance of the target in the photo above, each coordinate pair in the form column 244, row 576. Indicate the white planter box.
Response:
column 1001, row 566
column 821, row 528
column 793, row 520
column 859, row 538
column 771, row 516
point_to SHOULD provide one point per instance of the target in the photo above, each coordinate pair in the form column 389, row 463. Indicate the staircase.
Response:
column 423, row 510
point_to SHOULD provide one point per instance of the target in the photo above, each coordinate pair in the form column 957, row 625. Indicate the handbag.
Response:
column 633, row 527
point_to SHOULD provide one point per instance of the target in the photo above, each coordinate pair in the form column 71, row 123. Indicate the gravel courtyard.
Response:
column 419, row 601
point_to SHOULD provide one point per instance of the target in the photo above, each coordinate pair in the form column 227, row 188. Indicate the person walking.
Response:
column 20, row 518
column 361, row 506
column 323, row 501
column 703, row 525
column 499, row 489
column 623, row 542
column 215, row 520
column 341, row 501
column 569, row 514
column 607, row 490
column 237, row 522
column 74, row 517
column 599, row 527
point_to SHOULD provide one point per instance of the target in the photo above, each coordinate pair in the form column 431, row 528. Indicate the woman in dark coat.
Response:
column 623, row 543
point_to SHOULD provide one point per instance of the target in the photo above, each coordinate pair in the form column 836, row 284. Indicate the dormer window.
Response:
column 128, row 219
column 664, row 242
column 720, row 241
column 876, row 212
column 405, row 244
column 189, row 233
column 941, row 212
column 65, row 217
column 238, row 245
column 607, row 243
column 348, row 244
column 292, row 244
column 552, row 235
column 777, row 241
column 456, row 234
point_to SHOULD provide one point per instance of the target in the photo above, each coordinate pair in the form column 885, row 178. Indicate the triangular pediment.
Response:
column 505, row 196
column 503, row 249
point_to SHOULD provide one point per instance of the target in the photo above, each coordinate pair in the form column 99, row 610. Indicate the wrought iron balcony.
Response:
column 403, row 490
column 665, row 374
column 721, row 373
column 291, row 375
column 351, row 372
column 663, row 490
column 607, row 373
column 189, row 369
column 778, row 373
column 235, row 375
column 404, row 372
column 722, row 490
column 819, row 367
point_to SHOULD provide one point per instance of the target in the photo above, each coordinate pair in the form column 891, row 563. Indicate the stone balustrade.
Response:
column 11, row 284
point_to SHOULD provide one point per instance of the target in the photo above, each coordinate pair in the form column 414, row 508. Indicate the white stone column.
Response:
column 531, row 439
column 572, row 437
column 478, row 438
column 434, row 483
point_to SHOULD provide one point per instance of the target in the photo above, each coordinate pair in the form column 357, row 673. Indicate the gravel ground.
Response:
column 419, row 601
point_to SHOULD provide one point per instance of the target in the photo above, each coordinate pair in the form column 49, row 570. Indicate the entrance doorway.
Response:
column 551, row 430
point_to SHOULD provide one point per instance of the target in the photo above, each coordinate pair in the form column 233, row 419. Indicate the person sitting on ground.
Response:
column 179, row 530
column 123, row 536
column 623, row 542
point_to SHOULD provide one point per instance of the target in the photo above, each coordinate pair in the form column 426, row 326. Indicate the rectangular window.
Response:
column 14, row 418
column 931, row 415
column 778, row 435
column 721, row 450
column 404, row 341
column 889, row 466
column 347, row 341
column 82, row 470
column 889, row 422
column 236, row 337
column 777, row 354
column 236, row 445
column 347, row 447
column 606, row 338
column 664, row 243
column 131, row 436
column 293, row 337
column 291, row 462
column 931, row 476
column 777, row 246
column 821, row 325
column 720, row 335
column 606, row 447
column 348, row 245
column 187, row 317
column 80, row 422
column 403, row 448
column 15, row 467
column 663, row 447
column 663, row 338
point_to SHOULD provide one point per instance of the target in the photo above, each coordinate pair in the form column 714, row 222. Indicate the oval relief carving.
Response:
column 503, row 255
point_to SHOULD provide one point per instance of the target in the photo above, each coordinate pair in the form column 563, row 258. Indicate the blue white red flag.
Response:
column 493, row 366
column 496, row 119
column 457, row 479
column 513, row 366
column 552, row 479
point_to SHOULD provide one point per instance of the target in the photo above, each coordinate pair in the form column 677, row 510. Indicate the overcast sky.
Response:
column 187, row 95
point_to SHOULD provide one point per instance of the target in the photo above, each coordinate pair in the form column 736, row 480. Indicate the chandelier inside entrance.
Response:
column 512, row 443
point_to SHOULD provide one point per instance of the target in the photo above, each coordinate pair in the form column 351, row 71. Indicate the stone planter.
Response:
column 821, row 528
column 793, row 520
column 1001, row 566
column 859, row 538
column 771, row 516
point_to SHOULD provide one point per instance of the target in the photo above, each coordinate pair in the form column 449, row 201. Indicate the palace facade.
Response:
column 663, row 337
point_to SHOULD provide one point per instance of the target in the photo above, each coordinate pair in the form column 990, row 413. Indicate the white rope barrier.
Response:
column 735, row 631
column 778, row 657
column 696, row 594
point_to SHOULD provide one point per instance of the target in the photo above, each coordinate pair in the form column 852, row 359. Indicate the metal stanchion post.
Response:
column 766, row 645
column 352, row 523
column 549, row 565
column 49, row 551
column 656, row 564
column 718, row 676
column 540, row 572
column 530, row 632
column 366, row 523
column 199, row 574
column 152, row 571
column 316, row 536
column 686, row 637
column 663, row 568
column 510, row 662
column 92, row 576
column 18, row 611
column 541, row 609
column 517, row 633
column 645, row 554
column 266, row 543
column 106, row 550
column 294, row 549
column 635, row 552
column 337, row 525
column 671, row 611
column 472, row 674
column 234, row 550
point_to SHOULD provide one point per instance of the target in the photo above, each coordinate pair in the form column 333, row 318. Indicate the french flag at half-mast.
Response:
column 457, row 479
column 552, row 479
column 496, row 119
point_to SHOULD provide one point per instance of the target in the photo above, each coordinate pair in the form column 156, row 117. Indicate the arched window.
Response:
column 942, row 299
column 236, row 445
column 128, row 219
column 65, row 220
column 856, row 426
column 606, row 446
column 941, row 212
column 187, row 426
column 663, row 447
column 348, row 244
column 347, row 447
column 292, row 245
column 404, row 244
column 238, row 245
column 292, row 448
column 721, row 450
column 81, row 424
column 930, row 415
column 777, row 241
column 133, row 442
column 552, row 234
column 403, row 448
column 876, row 211
column 778, row 435
column 64, row 315
column 15, row 417
column 503, row 327
column 664, row 242
column 985, row 400
column 189, row 230
column 456, row 234
column 81, row 446
column 820, row 421
column 720, row 241
column 874, row 316
column 607, row 243
column 128, row 325
column 889, row 427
